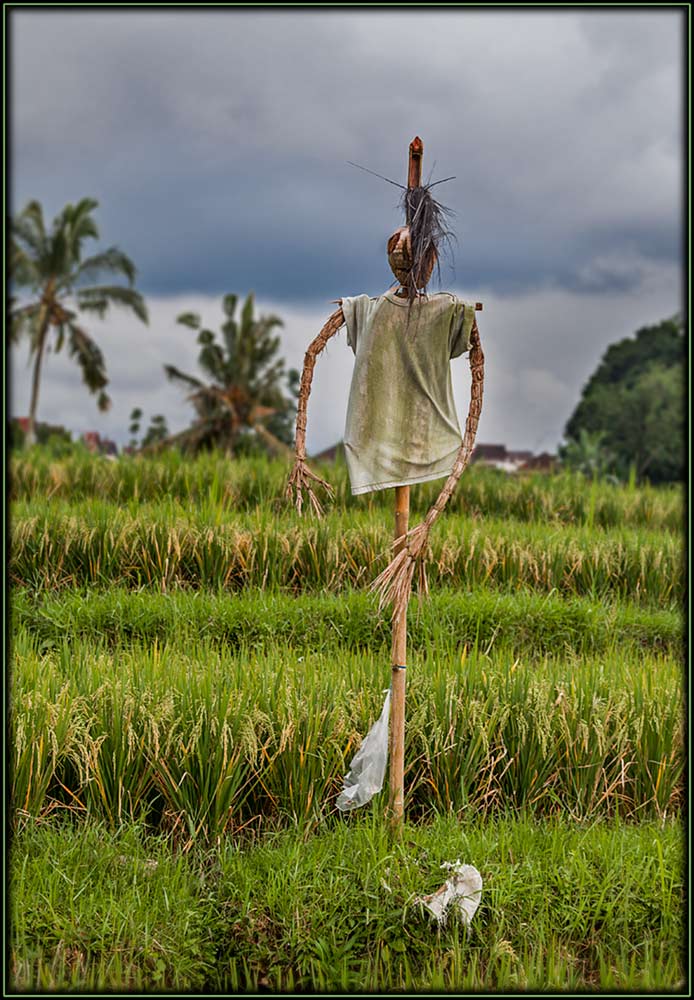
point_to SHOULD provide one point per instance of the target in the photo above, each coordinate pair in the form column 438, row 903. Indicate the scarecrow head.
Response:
column 401, row 261
column 413, row 249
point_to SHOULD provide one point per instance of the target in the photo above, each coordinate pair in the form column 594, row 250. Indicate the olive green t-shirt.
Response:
column 402, row 427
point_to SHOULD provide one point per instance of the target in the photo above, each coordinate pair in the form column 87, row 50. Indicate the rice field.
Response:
column 193, row 667
column 165, row 545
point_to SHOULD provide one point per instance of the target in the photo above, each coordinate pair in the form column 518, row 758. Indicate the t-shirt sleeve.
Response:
column 355, row 310
column 462, row 318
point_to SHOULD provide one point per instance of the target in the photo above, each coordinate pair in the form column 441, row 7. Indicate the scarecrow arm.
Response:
column 395, row 581
column 473, row 419
column 301, row 476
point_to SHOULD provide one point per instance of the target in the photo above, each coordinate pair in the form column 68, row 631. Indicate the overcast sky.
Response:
column 217, row 141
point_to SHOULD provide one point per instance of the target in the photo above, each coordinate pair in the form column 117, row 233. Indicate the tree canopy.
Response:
column 633, row 404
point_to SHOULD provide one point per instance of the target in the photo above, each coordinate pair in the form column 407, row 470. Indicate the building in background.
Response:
column 98, row 445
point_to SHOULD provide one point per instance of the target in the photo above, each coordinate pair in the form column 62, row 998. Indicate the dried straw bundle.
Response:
column 395, row 582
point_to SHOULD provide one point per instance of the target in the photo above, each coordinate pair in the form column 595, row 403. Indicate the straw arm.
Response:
column 329, row 330
column 471, row 424
column 301, row 477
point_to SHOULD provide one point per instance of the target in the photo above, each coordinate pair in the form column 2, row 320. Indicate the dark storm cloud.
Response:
column 217, row 141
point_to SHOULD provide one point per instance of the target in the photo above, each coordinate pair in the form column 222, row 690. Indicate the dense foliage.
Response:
column 631, row 411
column 56, row 440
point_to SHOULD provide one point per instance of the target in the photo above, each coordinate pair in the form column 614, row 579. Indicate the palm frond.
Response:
column 59, row 260
column 23, row 319
column 60, row 339
column 176, row 375
column 88, row 356
column 211, row 360
column 81, row 223
column 24, row 229
column 189, row 319
column 98, row 298
column 247, row 313
column 29, row 226
column 23, row 269
column 229, row 305
column 111, row 259
column 70, row 228
column 20, row 312
column 230, row 333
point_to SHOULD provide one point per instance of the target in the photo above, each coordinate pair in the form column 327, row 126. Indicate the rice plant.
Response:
column 165, row 545
column 210, row 741
column 523, row 620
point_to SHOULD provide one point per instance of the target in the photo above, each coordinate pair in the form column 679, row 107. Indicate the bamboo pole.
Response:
column 398, row 673
column 399, row 647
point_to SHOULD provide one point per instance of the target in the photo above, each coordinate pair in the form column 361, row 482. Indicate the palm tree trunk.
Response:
column 272, row 443
column 44, row 319
column 31, row 429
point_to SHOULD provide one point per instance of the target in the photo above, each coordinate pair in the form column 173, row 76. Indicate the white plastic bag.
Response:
column 368, row 766
column 462, row 890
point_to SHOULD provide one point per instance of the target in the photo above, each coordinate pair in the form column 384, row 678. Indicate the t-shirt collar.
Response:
column 398, row 301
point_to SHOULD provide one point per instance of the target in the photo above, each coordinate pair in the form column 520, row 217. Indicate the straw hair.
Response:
column 394, row 584
column 425, row 220
column 301, row 477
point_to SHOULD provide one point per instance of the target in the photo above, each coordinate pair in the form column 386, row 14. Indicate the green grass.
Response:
column 564, row 906
column 525, row 621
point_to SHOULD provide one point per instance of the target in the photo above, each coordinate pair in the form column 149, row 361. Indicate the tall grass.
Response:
column 166, row 545
column 194, row 738
column 244, row 484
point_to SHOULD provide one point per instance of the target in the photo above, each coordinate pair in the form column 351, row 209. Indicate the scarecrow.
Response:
column 401, row 429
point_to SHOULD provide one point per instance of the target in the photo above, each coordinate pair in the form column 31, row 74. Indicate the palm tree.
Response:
column 51, row 268
column 246, row 392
